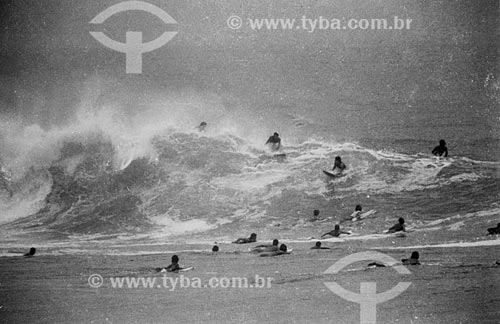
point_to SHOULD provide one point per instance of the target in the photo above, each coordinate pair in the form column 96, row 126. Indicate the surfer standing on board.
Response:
column 274, row 142
column 441, row 149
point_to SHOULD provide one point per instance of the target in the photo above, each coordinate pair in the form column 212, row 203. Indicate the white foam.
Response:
column 173, row 227
column 493, row 242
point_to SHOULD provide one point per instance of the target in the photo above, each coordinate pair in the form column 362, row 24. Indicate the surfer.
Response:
column 251, row 239
column 338, row 164
column 399, row 227
column 282, row 250
column 413, row 260
column 355, row 215
column 274, row 142
column 319, row 247
column 267, row 248
column 315, row 216
column 441, row 149
column 202, row 126
column 30, row 253
column 173, row 267
column 494, row 230
column 336, row 232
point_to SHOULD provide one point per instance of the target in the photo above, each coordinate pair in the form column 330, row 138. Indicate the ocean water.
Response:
column 90, row 154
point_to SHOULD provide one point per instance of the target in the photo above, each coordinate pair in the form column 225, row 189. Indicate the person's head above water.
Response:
column 358, row 208
column 31, row 252
column 283, row 247
column 175, row 258
column 318, row 244
column 442, row 143
column 253, row 236
column 414, row 255
column 275, row 242
column 337, row 158
column 316, row 212
column 337, row 227
column 276, row 134
column 401, row 220
column 202, row 126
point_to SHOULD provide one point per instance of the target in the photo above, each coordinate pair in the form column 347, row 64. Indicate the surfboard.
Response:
column 330, row 174
column 164, row 270
column 361, row 216
column 267, row 157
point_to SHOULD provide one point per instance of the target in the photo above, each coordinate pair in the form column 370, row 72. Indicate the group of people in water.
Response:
column 275, row 249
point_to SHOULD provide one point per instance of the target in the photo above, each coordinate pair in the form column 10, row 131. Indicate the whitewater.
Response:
column 154, row 178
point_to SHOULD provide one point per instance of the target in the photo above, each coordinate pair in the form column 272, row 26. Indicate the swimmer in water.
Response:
column 173, row 267
column 338, row 164
column 274, row 142
column 30, row 253
column 399, row 227
column 202, row 126
column 441, row 149
column 413, row 260
column 355, row 215
column 282, row 250
column 317, row 246
column 336, row 232
column 315, row 216
column 251, row 239
column 494, row 230
column 215, row 248
column 266, row 248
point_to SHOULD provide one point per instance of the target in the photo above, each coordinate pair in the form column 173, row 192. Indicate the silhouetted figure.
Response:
column 251, row 239
column 215, row 248
column 317, row 246
column 494, row 230
column 30, row 253
column 174, row 266
column 315, row 215
column 399, row 227
column 413, row 260
column 336, row 232
column 267, row 248
column 338, row 164
column 282, row 250
column 202, row 126
column 355, row 214
column 274, row 142
column 441, row 149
